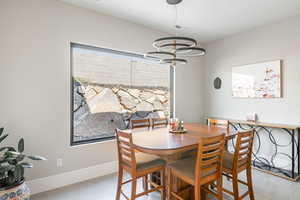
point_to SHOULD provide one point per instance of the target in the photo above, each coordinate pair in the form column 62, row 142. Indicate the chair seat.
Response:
column 228, row 161
column 146, row 161
column 186, row 167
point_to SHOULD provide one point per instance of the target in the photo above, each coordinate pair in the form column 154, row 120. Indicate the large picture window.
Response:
column 109, row 88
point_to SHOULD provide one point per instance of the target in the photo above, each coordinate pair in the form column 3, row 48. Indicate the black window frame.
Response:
column 111, row 51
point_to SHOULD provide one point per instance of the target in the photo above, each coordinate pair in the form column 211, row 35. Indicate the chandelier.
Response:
column 174, row 50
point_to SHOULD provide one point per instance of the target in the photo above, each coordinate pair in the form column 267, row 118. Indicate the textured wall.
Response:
column 277, row 41
column 35, row 80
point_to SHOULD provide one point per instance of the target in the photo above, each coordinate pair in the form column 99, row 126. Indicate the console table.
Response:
column 262, row 163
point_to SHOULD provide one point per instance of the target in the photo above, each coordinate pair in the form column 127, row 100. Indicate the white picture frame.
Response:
column 258, row 80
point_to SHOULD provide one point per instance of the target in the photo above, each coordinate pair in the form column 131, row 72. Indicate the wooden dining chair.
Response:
column 138, row 166
column 159, row 122
column 218, row 123
column 239, row 161
column 201, row 170
column 140, row 123
column 221, row 124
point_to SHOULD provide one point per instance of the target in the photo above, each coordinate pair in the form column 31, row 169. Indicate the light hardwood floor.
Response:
column 266, row 187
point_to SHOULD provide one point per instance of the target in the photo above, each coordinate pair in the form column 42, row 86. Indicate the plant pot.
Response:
column 17, row 192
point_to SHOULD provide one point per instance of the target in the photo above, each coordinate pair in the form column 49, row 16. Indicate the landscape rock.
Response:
column 128, row 101
column 146, row 95
column 144, row 106
column 106, row 101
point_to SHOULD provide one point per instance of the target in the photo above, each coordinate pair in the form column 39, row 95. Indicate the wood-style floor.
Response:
column 266, row 187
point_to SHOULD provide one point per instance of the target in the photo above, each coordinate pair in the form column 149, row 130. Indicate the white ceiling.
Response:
column 206, row 20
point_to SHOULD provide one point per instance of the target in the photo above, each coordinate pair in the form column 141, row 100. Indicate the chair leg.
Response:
column 235, row 186
column 119, row 186
column 170, row 184
column 220, row 188
column 197, row 191
column 133, row 188
column 163, row 183
column 145, row 183
column 250, row 184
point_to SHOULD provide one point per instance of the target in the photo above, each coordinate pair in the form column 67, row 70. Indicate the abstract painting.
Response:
column 260, row 80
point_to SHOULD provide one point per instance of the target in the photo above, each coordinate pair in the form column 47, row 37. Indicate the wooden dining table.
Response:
column 170, row 146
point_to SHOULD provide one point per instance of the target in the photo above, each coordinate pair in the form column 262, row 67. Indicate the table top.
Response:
column 258, row 123
column 160, row 140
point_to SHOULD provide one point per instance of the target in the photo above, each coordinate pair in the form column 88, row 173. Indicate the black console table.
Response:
column 268, row 165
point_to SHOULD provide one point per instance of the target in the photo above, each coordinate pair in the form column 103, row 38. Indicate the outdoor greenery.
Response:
column 12, row 162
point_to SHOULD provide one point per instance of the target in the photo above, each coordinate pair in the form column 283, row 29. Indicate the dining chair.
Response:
column 138, row 166
column 218, row 123
column 239, row 161
column 159, row 122
column 145, row 123
column 201, row 170
column 140, row 123
column 221, row 124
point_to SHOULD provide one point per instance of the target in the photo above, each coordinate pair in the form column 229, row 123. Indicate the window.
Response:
column 109, row 88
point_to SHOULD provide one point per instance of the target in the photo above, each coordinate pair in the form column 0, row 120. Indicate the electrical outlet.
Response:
column 59, row 162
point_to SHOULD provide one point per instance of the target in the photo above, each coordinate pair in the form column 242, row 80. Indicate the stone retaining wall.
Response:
column 99, row 109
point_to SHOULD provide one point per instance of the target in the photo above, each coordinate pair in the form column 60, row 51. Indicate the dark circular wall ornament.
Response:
column 217, row 83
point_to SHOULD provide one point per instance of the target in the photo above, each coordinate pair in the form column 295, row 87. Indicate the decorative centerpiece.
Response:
column 176, row 126
column 12, row 167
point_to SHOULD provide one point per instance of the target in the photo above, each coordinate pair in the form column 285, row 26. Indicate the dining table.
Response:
column 171, row 147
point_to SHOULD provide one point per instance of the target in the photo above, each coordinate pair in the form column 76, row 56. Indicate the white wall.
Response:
column 35, row 38
column 277, row 41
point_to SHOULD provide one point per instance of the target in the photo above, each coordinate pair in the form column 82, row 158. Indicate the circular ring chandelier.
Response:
column 170, row 49
column 160, row 55
column 174, row 41
column 191, row 51
column 174, row 61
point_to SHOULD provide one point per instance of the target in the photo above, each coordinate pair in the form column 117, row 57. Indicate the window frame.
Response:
column 106, row 50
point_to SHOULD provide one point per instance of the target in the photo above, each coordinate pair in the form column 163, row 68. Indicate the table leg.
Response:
column 179, row 184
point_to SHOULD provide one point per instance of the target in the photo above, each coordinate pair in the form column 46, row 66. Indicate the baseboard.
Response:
column 68, row 178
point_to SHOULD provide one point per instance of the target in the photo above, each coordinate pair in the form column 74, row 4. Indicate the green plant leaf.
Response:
column 5, row 168
column 12, row 161
column 19, row 173
column 3, row 137
column 21, row 145
column 11, row 177
column 20, row 157
column 36, row 158
column 3, row 148
column 1, row 131
column 7, row 148
column 26, row 165
column 12, row 153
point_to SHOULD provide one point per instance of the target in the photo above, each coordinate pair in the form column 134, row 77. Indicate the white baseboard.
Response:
column 68, row 178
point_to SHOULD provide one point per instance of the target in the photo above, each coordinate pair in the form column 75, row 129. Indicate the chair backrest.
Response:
column 243, row 151
column 218, row 123
column 209, row 158
column 140, row 123
column 126, row 153
column 159, row 122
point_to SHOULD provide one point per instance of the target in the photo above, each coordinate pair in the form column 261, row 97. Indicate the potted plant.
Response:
column 12, row 167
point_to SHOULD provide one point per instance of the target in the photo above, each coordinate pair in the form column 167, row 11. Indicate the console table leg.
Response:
column 293, row 154
column 298, row 150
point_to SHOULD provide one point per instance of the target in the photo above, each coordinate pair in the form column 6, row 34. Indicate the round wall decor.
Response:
column 217, row 83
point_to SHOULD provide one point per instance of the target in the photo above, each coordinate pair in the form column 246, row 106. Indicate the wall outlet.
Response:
column 59, row 162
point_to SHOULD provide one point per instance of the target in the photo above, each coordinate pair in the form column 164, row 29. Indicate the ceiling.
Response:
column 206, row 20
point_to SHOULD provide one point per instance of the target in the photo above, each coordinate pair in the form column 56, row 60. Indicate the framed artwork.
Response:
column 260, row 80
